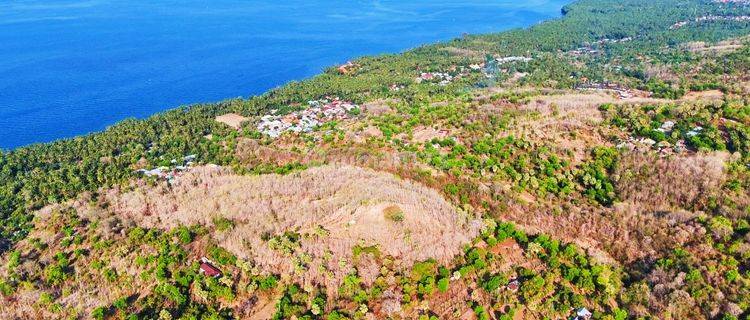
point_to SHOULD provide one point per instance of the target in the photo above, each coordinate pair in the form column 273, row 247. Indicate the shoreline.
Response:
column 106, row 126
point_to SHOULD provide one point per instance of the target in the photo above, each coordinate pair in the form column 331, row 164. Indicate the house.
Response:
column 583, row 314
column 513, row 285
column 666, row 127
column 208, row 269
column 694, row 132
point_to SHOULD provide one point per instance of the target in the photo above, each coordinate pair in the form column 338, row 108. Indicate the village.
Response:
column 584, row 51
column 589, row 49
column 439, row 78
column 172, row 172
column 621, row 91
column 740, row 2
column 664, row 148
column 447, row 77
column 317, row 113
column 711, row 18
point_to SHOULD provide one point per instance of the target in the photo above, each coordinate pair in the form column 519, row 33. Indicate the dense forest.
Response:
column 601, row 162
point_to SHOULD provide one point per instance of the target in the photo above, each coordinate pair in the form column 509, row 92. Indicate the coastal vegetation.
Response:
column 599, row 162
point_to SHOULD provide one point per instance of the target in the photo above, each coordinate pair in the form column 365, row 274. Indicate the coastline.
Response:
column 64, row 126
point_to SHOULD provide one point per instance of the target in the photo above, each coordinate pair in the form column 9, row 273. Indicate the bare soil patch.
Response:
column 232, row 119
column 425, row 134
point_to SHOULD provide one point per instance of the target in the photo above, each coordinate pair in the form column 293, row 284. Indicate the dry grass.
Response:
column 250, row 152
column 722, row 47
column 669, row 183
column 653, row 217
column 347, row 202
column 88, row 289
column 708, row 96
column 464, row 52
column 379, row 107
column 566, row 121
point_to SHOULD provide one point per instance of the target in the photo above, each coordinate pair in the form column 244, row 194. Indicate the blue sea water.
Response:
column 70, row 67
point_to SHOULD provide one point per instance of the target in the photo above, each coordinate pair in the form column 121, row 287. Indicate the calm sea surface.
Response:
column 70, row 67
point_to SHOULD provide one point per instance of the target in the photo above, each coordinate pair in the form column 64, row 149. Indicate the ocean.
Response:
column 71, row 67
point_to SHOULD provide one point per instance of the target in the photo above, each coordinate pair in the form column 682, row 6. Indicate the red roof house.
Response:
column 208, row 269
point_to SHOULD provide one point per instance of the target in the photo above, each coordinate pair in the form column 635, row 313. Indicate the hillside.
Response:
column 595, row 163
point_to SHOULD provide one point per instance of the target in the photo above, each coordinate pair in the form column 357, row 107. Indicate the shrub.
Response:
column 222, row 223
column 99, row 313
column 268, row 283
column 443, row 284
column 594, row 175
column 394, row 213
column 184, row 234
column 494, row 282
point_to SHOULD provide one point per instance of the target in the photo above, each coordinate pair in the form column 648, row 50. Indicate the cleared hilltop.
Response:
column 595, row 166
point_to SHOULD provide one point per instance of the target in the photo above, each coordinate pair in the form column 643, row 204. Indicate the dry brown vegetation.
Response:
column 465, row 52
column 707, row 96
column 659, row 184
column 334, row 208
column 89, row 289
column 379, row 107
column 721, row 47
column 569, row 121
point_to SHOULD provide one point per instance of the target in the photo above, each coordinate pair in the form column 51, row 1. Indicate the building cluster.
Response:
column 621, row 91
column 645, row 144
column 396, row 87
column 621, row 40
column 664, row 147
column 317, row 113
column 453, row 73
column 589, row 49
column 439, row 78
column 710, row 18
column 741, row 2
column 666, row 127
column 505, row 60
column 493, row 67
column 584, row 51
column 170, row 173
column 476, row 66
column 694, row 132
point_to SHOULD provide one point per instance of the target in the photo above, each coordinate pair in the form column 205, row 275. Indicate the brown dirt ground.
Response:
column 232, row 119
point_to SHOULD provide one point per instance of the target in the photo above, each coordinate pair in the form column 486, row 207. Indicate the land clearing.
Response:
column 232, row 119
